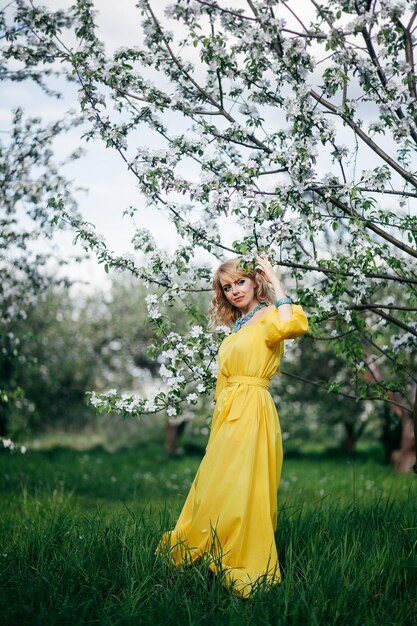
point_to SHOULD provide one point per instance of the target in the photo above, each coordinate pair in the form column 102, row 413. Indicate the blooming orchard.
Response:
column 296, row 127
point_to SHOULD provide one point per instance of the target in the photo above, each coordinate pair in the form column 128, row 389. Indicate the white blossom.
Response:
column 196, row 332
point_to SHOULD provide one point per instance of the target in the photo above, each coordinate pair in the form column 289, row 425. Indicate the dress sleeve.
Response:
column 278, row 329
column 220, row 385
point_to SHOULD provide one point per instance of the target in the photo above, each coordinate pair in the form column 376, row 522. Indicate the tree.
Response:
column 268, row 119
column 313, row 412
column 30, row 182
column 70, row 343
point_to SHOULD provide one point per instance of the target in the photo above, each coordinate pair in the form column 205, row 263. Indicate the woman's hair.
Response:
column 221, row 311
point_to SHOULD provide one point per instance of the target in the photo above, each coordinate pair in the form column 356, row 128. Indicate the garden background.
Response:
column 139, row 147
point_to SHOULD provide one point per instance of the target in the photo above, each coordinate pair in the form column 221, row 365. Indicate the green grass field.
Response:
column 79, row 530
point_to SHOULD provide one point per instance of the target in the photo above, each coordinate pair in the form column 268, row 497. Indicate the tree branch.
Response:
column 200, row 89
column 409, row 57
column 241, row 16
column 342, row 393
column 394, row 307
column 396, row 321
column 360, row 133
column 383, row 79
column 382, row 233
column 396, row 363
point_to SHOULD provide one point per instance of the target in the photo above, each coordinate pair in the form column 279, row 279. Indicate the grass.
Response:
column 79, row 531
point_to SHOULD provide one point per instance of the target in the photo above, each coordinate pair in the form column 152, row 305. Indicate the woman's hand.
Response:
column 265, row 267
column 267, row 271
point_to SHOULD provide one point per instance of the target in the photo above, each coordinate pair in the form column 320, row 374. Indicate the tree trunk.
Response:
column 352, row 436
column 173, row 431
column 3, row 422
column 349, row 440
column 415, row 433
column 405, row 456
column 6, row 377
column 391, row 431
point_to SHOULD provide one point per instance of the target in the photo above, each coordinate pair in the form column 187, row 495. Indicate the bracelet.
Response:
column 286, row 300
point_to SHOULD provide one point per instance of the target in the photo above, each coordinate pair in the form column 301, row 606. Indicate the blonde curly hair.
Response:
column 221, row 311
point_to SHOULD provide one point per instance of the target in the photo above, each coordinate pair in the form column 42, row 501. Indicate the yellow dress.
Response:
column 230, row 513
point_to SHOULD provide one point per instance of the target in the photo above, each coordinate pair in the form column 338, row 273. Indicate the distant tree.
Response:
column 73, row 341
column 70, row 343
column 30, row 181
column 312, row 412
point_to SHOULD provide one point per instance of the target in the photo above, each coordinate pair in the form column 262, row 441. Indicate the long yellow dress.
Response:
column 230, row 513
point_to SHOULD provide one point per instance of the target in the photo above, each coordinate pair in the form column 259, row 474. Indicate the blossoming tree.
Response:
column 30, row 181
column 294, row 123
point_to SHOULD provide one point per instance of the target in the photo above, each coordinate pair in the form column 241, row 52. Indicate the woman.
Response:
column 230, row 514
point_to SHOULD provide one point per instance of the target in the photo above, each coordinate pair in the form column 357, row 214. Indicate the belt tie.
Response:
column 248, row 380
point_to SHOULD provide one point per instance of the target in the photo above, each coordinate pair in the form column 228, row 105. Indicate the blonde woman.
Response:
column 230, row 514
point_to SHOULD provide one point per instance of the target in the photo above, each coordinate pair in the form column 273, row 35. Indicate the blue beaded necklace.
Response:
column 245, row 318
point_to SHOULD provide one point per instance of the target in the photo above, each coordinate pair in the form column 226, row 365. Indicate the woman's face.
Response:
column 239, row 291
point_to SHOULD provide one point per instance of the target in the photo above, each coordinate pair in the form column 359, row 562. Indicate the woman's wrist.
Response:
column 278, row 290
column 284, row 309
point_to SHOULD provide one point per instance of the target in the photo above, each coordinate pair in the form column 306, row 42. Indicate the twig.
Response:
column 342, row 393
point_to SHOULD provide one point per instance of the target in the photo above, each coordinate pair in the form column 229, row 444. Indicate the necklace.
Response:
column 245, row 318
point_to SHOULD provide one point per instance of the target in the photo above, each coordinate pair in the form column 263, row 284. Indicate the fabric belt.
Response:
column 248, row 380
